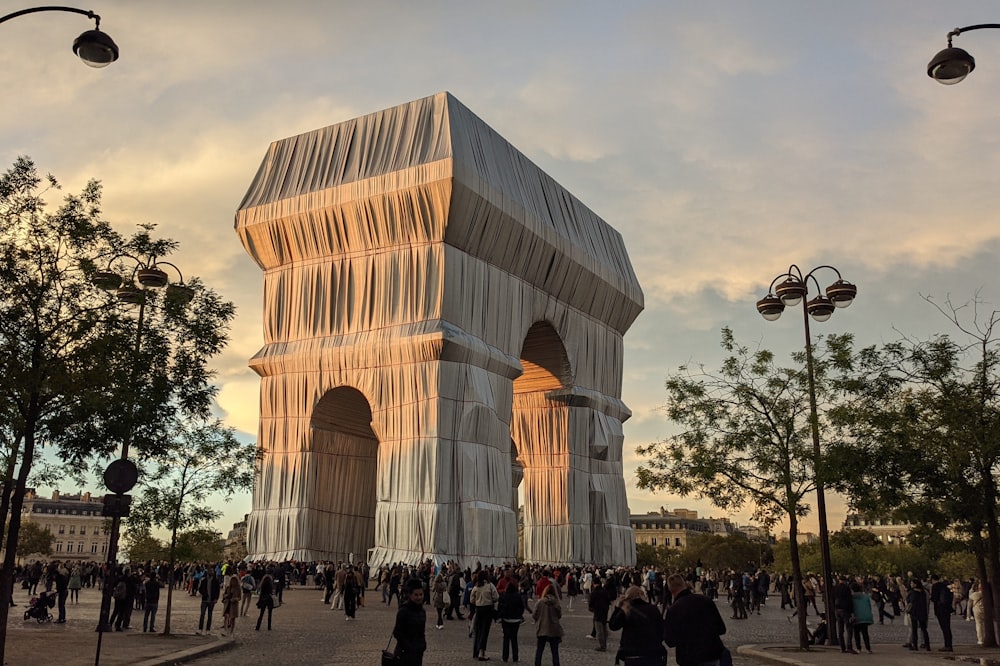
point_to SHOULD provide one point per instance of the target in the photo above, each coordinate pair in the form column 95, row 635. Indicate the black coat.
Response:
column 409, row 629
column 692, row 624
column 511, row 606
column 642, row 630
column 600, row 602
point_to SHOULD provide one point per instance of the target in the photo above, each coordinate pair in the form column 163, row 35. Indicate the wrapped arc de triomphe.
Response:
column 443, row 322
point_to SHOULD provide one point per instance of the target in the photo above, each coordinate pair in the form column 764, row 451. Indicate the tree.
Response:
column 71, row 375
column 32, row 539
column 745, row 438
column 848, row 538
column 204, row 461
column 729, row 551
column 143, row 546
column 925, row 437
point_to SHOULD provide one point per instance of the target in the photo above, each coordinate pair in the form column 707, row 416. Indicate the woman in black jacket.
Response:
column 411, row 619
column 511, row 612
column 265, row 600
column 916, row 602
column 642, row 630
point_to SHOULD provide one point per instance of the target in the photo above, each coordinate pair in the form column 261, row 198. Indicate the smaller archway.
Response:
column 343, row 473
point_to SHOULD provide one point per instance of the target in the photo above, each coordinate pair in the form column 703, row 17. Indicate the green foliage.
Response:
column 141, row 546
column 717, row 551
column 745, row 433
column 199, row 545
column 664, row 557
column 33, row 539
column 848, row 538
column 874, row 559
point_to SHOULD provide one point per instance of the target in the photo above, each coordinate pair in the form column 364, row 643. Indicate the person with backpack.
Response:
column 248, row 584
column 642, row 629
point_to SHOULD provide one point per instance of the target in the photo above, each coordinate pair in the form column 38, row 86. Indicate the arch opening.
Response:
column 343, row 471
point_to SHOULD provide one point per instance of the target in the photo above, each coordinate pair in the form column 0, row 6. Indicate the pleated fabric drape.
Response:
column 443, row 322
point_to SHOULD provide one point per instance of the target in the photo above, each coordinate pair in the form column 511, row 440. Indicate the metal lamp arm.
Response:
column 980, row 26
column 52, row 8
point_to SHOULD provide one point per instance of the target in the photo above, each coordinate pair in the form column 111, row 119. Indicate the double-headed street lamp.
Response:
column 952, row 65
column 122, row 474
column 95, row 48
column 789, row 290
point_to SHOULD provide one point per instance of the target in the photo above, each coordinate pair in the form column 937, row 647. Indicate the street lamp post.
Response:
column 95, row 48
column 122, row 474
column 952, row 65
column 792, row 290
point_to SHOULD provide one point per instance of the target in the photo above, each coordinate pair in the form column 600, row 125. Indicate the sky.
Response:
column 725, row 141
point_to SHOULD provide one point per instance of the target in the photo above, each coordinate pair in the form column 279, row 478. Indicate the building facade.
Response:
column 668, row 528
column 887, row 530
column 236, row 542
column 80, row 531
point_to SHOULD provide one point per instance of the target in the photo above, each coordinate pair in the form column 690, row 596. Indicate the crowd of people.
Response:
column 651, row 609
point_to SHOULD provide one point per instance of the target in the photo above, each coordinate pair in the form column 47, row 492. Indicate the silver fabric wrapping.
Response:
column 442, row 321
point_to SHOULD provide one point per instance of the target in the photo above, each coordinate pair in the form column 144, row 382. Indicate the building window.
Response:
column 653, row 542
column 83, row 530
column 79, row 547
column 104, row 548
column 72, row 529
column 62, row 529
column 93, row 547
column 58, row 546
column 677, row 541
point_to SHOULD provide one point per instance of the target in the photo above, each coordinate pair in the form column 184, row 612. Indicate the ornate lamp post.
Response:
column 122, row 474
column 792, row 290
column 95, row 48
column 952, row 65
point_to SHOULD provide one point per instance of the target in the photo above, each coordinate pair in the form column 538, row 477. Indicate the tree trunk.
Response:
column 990, row 587
column 16, row 503
column 170, row 590
column 800, row 594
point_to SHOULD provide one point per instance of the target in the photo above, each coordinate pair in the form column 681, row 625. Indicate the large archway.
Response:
column 538, row 434
column 344, row 478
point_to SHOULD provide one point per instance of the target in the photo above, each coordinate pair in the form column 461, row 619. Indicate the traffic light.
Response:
column 116, row 505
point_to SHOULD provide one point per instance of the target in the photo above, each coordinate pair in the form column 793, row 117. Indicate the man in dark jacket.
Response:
column 600, row 602
column 411, row 620
column 692, row 625
column 843, row 607
column 942, row 599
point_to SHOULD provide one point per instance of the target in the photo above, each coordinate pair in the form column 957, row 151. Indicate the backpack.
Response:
column 248, row 583
column 120, row 592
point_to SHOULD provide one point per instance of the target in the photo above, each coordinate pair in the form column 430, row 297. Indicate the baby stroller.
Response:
column 39, row 606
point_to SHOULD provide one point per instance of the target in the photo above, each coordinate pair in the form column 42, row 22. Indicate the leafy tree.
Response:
column 143, row 546
column 850, row 538
column 925, row 437
column 745, row 437
column 71, row 375
column 33, row 538
column 730, row 551
column 205, row 461
column 662, row 556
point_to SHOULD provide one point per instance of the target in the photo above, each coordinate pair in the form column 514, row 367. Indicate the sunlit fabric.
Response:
column 442, row 322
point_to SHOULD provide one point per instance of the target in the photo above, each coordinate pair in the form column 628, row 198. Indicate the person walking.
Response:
column 861, row 616
column 75, row 584
column 943, row 601
column 976, row 609
column 232, row 595
column 692, row 625
column 511, row 612
column 843, row 606
column 642, row 629
column 548, row 629
column 248, row 584
column 209, row 589
column 410, row 628
column 152, row 586
column 62, row 591
column 438, row 588
column 265, row 600
column 599, row 604
column 482, row 598
column 916, row 604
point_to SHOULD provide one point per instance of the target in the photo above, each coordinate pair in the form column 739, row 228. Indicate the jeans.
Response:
column 553, row 642
column 510, row 639
column 206, row 610
column 149, row 617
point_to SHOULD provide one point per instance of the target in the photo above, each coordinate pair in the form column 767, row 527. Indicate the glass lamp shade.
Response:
column 106, row 280
column 152, row 277
column 130, row 294
column 770, row 307
column 791, row 291
column 820, row 308
column 951, row 66
column 842, row 293
column 95, row 48
column 180, row 293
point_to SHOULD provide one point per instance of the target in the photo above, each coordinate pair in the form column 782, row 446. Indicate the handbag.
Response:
column 447, row 598
column 389, row 657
